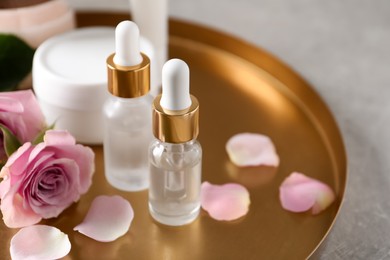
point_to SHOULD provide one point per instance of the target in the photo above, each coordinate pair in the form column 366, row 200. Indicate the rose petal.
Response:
column 60, row 179
column 39, row 242
column 5, row 186
column 14, row 213
column 26, row 121
column 248, row 149
column 21, row 154
column 59, row 137
column 299, row 193
column 108, row 218
column 83, row 155
column 225, row 202
column 11, row 105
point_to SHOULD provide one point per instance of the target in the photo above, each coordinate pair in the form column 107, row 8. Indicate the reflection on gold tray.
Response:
column 241, row 88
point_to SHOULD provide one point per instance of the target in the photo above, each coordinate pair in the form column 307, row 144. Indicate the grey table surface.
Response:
column 342, row 47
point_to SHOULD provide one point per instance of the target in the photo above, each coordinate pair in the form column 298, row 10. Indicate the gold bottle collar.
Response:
column 128, row 81
column 175, row 126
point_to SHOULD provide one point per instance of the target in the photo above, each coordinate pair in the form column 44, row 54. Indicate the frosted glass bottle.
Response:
column 127, row 137
column 127, row 112
column 175, row 178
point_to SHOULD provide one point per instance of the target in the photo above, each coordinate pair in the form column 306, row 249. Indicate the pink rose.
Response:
column 21, row 115
column 41, row 181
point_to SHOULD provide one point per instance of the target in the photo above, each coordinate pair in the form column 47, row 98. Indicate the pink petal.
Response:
column 248, row 149
column 299, row 193
column 15, row 215
column 36, row 152
column 10, row 105
column 39, row 242
column 64, row 144
column 5, row 185
column 25, row 123
column 108, row 218
column 225, row 202
column 66, row 192
column 85, row 159
column 59, row 137
column 21, row 155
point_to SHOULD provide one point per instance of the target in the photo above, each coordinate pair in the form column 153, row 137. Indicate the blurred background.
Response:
column 343, row 49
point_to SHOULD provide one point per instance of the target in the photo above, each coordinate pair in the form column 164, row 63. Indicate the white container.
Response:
column 36, row 23
column 70, row 80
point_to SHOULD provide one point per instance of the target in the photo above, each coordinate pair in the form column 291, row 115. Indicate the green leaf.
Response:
column 11, row 143
column 15, row 61
column 39, row 138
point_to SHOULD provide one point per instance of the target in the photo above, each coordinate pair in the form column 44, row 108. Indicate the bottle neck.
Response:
column 178, row 147
column 139, row 99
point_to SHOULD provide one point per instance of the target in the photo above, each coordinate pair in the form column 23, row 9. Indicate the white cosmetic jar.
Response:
column 36, row 23
column 70, row 80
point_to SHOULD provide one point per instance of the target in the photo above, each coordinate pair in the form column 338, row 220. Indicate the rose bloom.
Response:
column 21, row 114
column 41, row 181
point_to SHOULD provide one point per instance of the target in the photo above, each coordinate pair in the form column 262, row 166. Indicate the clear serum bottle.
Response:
column 175, row 156
column 127, row 112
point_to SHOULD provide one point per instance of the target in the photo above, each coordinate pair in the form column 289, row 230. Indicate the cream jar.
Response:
column 70, row 80
column 38, row 22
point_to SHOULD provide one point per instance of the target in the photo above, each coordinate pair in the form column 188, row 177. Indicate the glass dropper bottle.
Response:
column 175, row 156
column 127, row 112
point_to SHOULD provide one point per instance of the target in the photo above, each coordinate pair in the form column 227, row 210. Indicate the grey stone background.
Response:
column 342, row 47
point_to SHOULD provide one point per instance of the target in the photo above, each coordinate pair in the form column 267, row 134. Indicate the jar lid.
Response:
column 69, row 70
column 20, row 3
column 38, row 22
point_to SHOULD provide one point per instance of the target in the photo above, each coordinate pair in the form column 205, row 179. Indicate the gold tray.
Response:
column 241, row 88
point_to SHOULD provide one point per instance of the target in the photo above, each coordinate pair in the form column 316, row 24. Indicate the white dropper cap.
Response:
column 127, row 47
column 175, row 85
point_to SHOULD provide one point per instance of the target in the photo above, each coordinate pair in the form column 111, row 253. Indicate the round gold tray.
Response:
column 241, row 88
